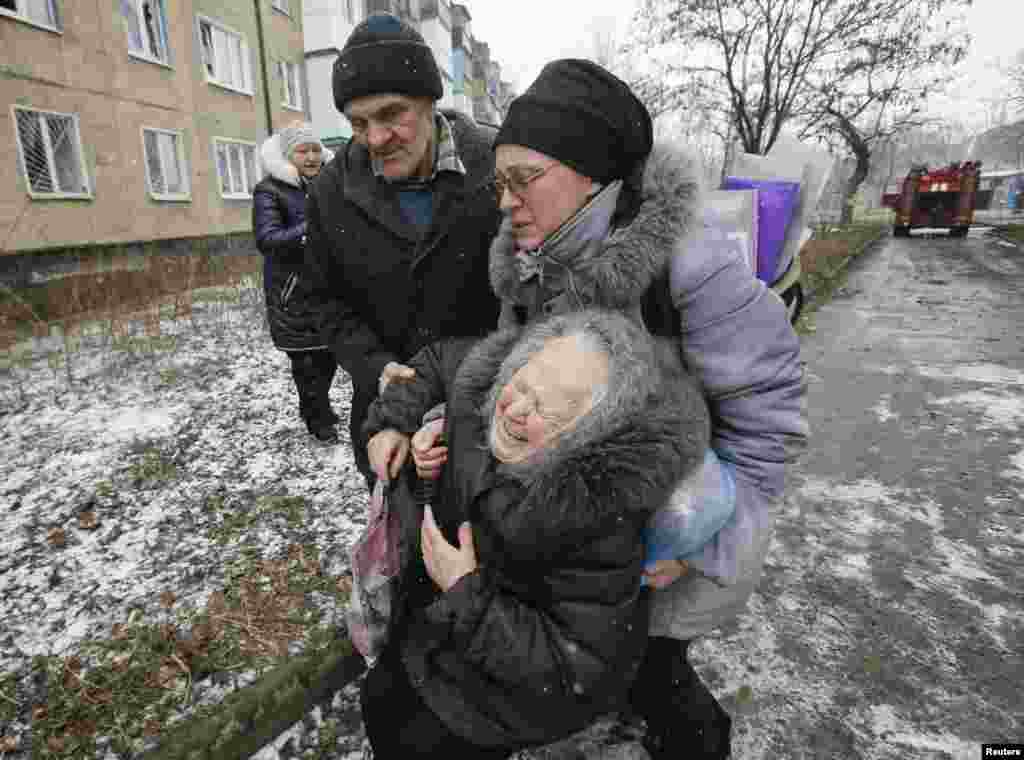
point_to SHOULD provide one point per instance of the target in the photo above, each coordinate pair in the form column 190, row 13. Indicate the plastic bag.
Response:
column 734, row 214
column 375, row 566
column 776, row 201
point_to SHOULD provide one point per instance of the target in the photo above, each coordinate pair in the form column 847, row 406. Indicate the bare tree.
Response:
column 853, row 69
column 879, row 89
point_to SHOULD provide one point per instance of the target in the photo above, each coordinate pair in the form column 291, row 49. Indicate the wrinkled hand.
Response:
column 387, row 451
column 394, row 372
column 428, row 456
column 446, row 563
column 665, row 572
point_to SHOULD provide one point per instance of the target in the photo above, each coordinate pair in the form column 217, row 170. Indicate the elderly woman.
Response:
column 291, row 158
column 598, row 214
column 519, row 616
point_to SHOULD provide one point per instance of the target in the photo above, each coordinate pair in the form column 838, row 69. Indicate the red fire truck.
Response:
column 936, row 198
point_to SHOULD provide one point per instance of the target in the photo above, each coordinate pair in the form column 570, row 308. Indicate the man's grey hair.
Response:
column 634, row 370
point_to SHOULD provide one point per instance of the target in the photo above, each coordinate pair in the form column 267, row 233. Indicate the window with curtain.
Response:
column 237, row 171
column 42, row 12
column 291, row 78
column 146, row 22
column 225, row 56
column 166, row 173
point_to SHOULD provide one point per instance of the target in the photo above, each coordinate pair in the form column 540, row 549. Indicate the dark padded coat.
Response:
column 382, row 291
column 548, row 633
column 279, row 223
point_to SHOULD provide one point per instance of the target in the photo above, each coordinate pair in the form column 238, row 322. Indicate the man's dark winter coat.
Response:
column 383, row 292
column 547, row 634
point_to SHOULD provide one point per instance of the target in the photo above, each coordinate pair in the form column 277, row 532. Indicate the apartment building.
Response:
column 140, row 120
column 472, row 81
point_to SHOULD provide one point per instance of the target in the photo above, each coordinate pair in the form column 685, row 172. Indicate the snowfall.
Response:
column 208, row 392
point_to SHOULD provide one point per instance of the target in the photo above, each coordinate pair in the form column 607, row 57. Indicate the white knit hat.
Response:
column 297, row 134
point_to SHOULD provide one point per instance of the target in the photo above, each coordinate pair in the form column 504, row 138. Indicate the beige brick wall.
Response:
column 87, row 70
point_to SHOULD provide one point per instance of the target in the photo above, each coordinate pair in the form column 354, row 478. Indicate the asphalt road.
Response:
column 890, row 622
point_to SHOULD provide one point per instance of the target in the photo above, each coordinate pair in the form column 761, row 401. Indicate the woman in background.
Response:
column 291, row 158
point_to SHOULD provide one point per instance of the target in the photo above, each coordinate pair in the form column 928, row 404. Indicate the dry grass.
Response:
column 125, row 690
column 1013, row 232
column 824, row 256
column 91, row 296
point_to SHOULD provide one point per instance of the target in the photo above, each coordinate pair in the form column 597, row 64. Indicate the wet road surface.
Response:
column 889, row 623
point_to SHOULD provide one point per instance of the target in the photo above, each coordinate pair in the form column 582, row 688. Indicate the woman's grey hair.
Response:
column 633, row 368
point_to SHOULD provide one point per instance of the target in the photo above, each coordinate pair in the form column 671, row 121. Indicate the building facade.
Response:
column 132, row 120
column 472, row 81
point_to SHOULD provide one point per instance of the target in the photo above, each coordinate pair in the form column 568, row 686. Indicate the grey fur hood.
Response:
column 274, row 163
column 649, row 430
column 616, row 273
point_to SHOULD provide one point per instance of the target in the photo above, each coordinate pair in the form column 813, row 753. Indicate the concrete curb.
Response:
column 254, row 716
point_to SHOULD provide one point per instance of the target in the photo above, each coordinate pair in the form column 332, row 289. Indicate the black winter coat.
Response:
column 548, row 633
column 381, row 290
column 279, row 224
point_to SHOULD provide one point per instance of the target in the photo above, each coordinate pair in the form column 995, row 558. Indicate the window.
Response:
column 350, row 11
column 41, row 12
column 281, row 5
column 225, row 57
column 292, row 84
column 51, row 154
column 236, row 167
column 147, row 29
column 166, row 173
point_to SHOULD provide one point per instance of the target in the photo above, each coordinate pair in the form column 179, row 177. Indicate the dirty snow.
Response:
column 217, row 408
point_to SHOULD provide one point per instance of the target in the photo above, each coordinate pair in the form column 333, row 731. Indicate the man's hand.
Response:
column 393, row 371
column 665, row 572
column 428, row 456
column 446, row 563
column 387, row 451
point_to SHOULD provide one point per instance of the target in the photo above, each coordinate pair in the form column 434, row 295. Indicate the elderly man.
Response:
column 519, row 616
column 399, row 224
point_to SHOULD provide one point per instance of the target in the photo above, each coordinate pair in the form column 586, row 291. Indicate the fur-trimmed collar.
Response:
column 275, row 164
column 617, row 274
column 626, row 464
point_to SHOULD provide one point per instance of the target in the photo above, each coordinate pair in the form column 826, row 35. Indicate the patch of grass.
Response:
column 1013, row 232
column 153, row 467
column 217, row 295
column 125, row 689
column 883, row 216
column 8, row 702
column 138, row 344
column 169, row 376
column 240, row 516
column 824, row 256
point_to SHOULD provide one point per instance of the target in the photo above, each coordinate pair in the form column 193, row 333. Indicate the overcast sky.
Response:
column 525, row 34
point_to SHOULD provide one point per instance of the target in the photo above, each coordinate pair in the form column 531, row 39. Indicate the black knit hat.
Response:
column 584, row 116
column 385, row 55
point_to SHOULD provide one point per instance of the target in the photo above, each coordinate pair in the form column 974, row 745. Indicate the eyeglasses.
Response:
column 516, row 179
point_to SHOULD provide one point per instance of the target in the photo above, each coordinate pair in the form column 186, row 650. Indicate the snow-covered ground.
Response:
column 889, row 620
column 140, row 428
